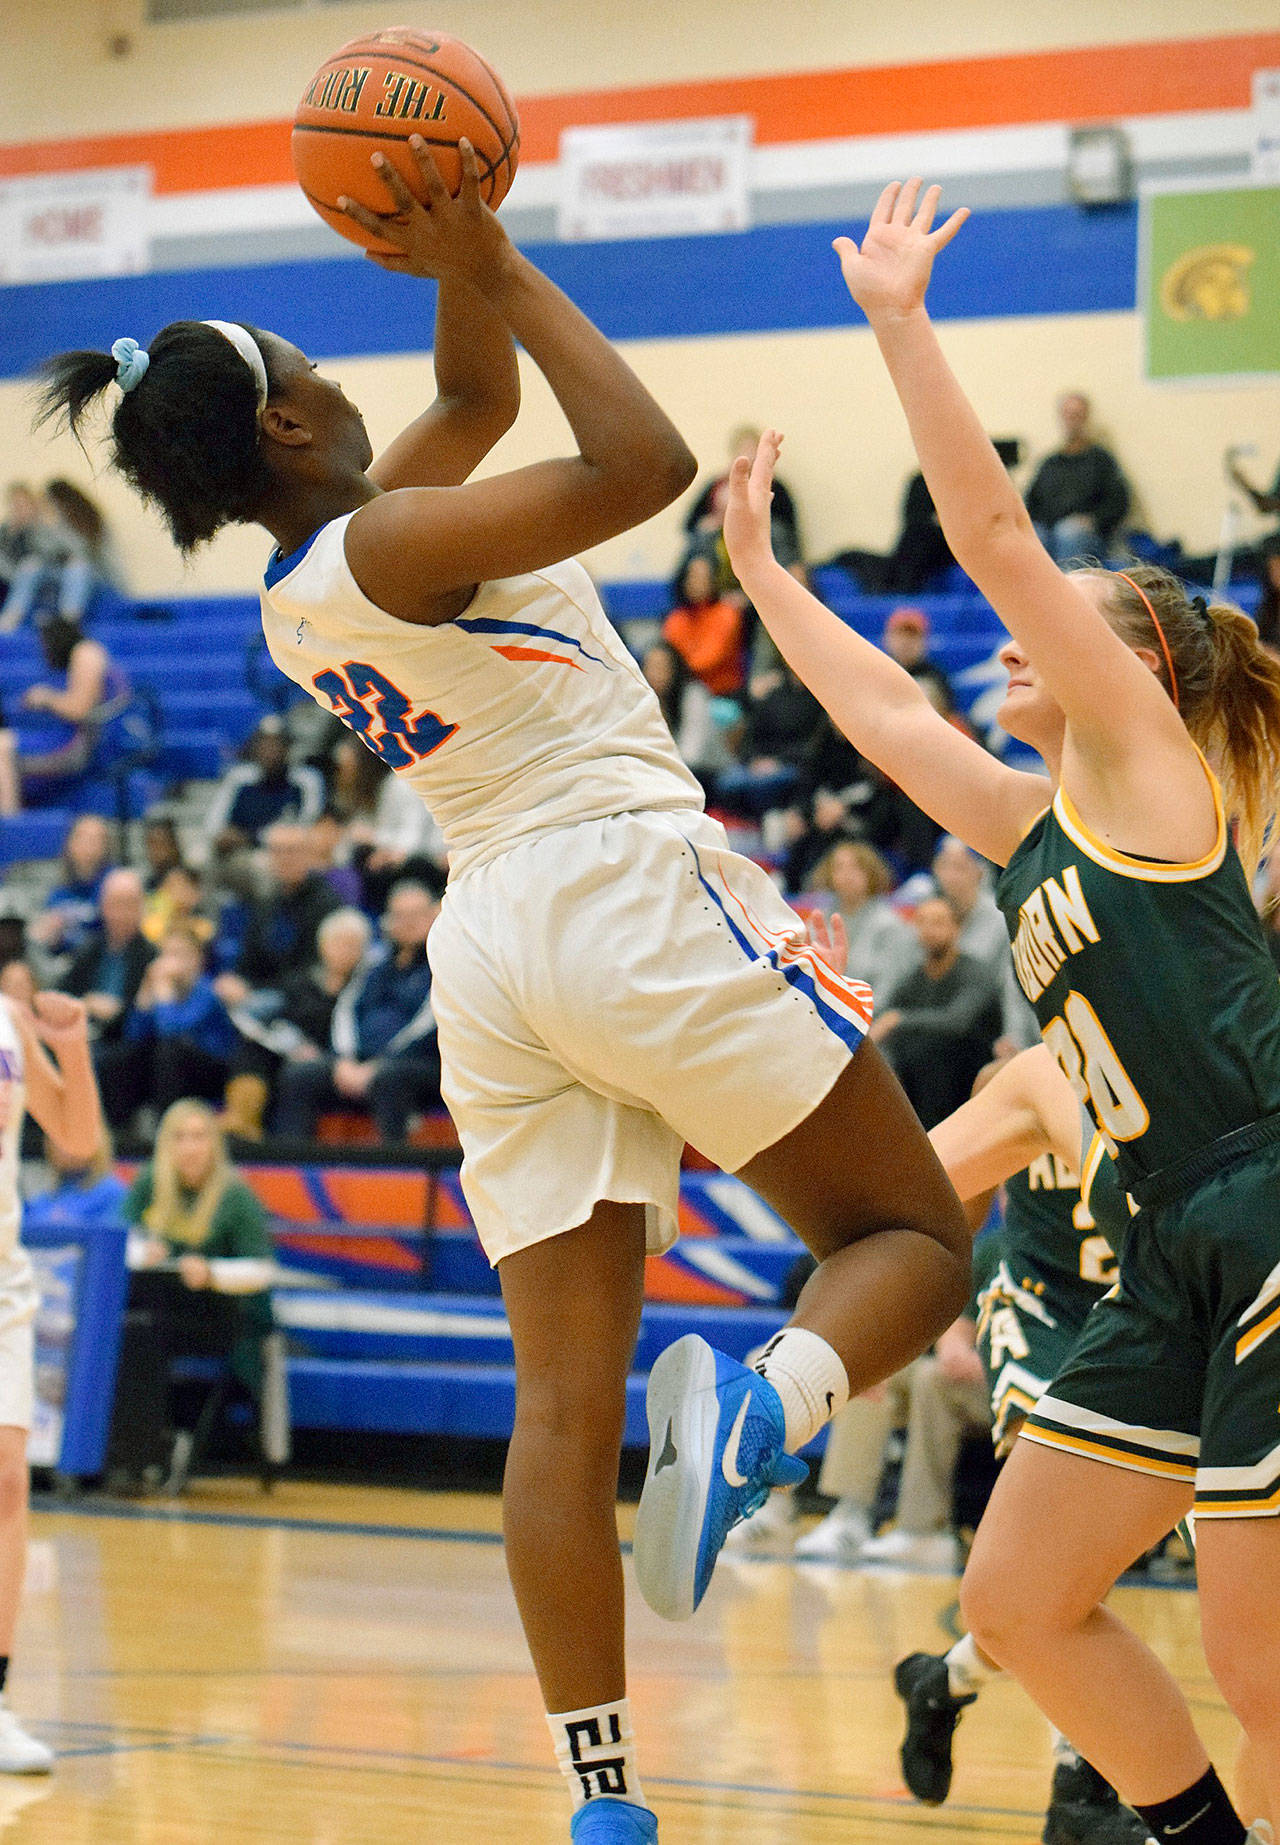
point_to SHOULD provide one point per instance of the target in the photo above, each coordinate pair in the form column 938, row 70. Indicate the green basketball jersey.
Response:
column 1152, row 985
column 1050, row 1243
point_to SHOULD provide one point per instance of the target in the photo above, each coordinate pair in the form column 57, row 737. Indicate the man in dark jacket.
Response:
column 385, row 1057
column 942, row 1021
column 1078, row 496
column 280, row 935
column 108, row 970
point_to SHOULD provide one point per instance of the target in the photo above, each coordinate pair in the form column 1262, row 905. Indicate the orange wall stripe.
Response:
column 1085, row 85
column 1091, row 84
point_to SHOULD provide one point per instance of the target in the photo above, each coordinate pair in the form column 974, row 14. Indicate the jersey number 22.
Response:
column 380, row 714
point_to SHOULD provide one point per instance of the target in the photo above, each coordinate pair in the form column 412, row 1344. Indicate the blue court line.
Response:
column 258, row 1521
column 388, row 1762
column 866, row 1675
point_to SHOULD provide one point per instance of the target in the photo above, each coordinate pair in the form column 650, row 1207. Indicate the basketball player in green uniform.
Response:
column 1135, row 939
column 1041, row 1272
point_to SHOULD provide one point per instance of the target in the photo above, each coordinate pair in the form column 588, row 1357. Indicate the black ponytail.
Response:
column 185, row 437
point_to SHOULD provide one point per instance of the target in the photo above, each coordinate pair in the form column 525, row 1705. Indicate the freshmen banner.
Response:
column 1210, row 284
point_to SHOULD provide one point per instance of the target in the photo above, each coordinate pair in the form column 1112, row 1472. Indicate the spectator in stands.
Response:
column 280, row 932
column 964, row 881
column 87, row 698
column 704, row 521
column 73, row 558
column 177, row 1040
column 1078, row 496
column 161, row 849
column 109, row 970
column 781, row 717
column 331, row 850
column 921, row 551
column 1267, row 613
column 883, row 949
column 1265, row 501
column 906, row 640
column 941, row 1022
column 192, row 1212
column 704, row 628
column 918, row 555
column 256, row 794
column 96, row 562
column 385, row 1059
column 23, row 537
column 948, row 1400
column 178, row 900
column 389, row 830
column 300, row 1031
column 70, row 913
column 686, row 704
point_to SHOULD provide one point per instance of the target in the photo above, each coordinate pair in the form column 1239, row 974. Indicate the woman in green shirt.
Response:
column 196, row 1219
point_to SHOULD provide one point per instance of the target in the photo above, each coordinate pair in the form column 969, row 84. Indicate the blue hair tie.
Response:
column 132, row 361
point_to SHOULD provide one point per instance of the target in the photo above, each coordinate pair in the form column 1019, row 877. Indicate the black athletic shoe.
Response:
column 1084, row 1809
column 933, row 1712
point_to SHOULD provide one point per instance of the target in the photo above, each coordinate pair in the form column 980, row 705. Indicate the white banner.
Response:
column 56, row 226
column 655, row 179
column 1266, row 124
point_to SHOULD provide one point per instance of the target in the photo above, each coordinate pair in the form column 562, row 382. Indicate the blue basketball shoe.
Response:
column 716, row 1433
column 613, row 1822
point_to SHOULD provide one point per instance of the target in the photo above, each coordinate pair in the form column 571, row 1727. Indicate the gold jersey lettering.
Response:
column 1054, row 922
column 1070, row 911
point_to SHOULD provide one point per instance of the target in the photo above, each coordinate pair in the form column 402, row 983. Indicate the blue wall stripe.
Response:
column 774, row 278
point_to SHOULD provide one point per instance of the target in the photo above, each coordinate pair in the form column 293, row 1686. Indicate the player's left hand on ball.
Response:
column 434, row 234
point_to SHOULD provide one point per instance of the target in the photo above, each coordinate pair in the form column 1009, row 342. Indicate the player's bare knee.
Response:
column 1245, row 1673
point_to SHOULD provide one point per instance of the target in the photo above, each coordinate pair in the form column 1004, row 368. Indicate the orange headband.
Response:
column 1155, row 622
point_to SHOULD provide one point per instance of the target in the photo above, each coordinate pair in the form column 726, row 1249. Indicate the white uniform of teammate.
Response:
column 609, row 979
column 18, row 1297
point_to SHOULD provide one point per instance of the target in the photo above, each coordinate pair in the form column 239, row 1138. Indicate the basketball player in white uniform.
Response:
column 610, row 980
column 63, row 1097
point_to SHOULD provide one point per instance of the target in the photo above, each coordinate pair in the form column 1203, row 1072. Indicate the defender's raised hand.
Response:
column 888, row 276
column 436, row 234
column 747, row 528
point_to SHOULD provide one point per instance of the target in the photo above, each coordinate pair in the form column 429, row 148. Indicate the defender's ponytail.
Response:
column 1226, row 686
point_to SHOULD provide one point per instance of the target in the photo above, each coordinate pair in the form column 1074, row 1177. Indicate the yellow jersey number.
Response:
column 1089, row 1062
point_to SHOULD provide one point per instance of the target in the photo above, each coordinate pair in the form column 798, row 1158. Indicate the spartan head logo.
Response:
column 1210, row 282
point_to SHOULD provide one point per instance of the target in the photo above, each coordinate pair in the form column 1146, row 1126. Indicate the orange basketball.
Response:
column 376, row 92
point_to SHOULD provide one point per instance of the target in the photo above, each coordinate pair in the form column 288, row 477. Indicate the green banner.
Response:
column 1211, row 284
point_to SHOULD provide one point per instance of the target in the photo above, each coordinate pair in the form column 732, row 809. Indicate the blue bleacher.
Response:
column 192, row 653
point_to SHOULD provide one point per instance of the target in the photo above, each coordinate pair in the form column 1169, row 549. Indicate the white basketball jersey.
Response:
column 523, row 714
column 13, row 1102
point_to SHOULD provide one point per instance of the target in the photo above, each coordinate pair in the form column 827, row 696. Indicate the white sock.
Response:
column 807, row 1374
column 596, row 1752
column 967, row 1670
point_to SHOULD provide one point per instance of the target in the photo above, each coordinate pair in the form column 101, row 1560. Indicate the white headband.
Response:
column 249, row 351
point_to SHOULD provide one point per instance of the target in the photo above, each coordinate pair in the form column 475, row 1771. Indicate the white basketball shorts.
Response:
column 606, row 992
